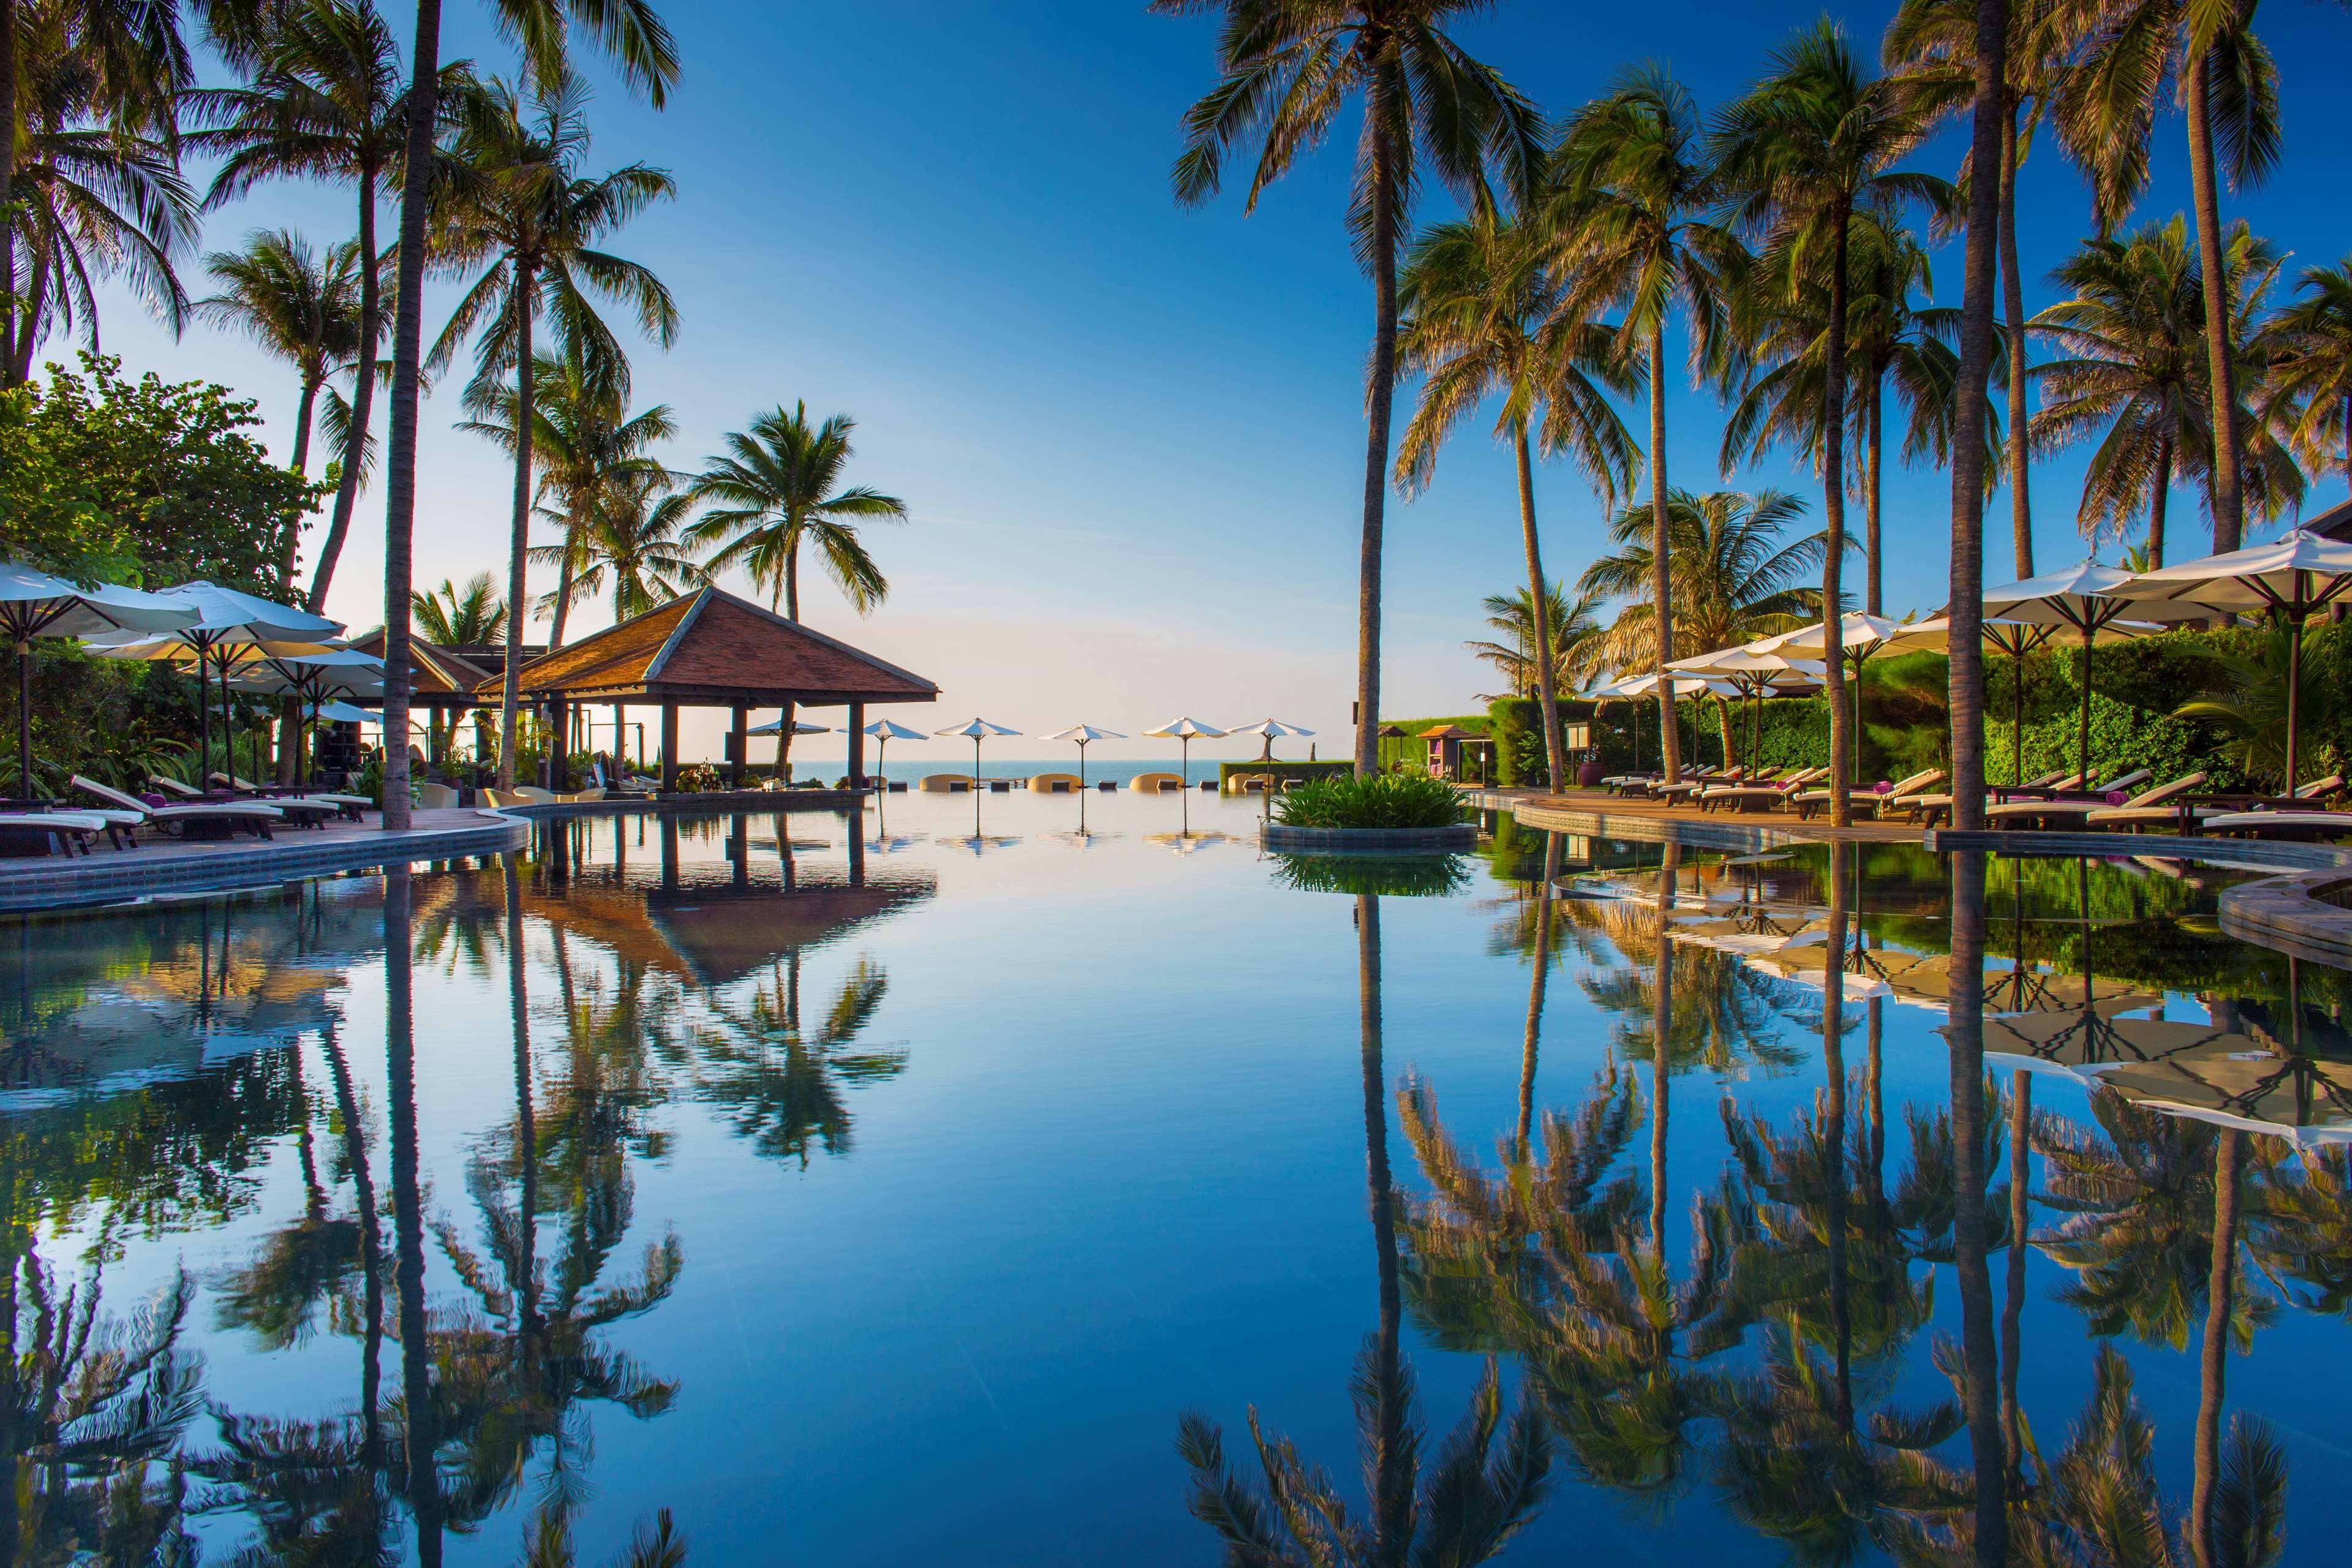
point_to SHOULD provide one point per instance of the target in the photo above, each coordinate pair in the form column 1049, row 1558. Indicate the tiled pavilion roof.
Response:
column 713, row 649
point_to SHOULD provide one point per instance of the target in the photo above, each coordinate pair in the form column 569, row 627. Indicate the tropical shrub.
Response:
column 1384, row 800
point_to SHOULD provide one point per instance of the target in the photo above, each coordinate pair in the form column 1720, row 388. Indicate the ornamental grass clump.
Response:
column 1384, row 800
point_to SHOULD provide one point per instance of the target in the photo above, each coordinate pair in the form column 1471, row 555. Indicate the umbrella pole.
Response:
column 2017, row 715
column 2293, row 689
column 2083, row 738
column 1858, row 663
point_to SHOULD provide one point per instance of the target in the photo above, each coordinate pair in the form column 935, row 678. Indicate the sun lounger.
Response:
column 1758, row 796
column 2302, row 824
column 1879, row 801
column 197, row 820
column 2086, row 813
column 61, row 831
column 347, row 806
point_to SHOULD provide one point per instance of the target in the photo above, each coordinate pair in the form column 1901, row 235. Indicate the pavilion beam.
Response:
column 670, row 748
column 857, row 749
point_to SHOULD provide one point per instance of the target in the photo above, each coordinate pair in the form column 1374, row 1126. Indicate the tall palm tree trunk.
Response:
column 2013, row 305
column 573, row 523
column 1555, row 752
column 2228, row 472
column 2220, row 1302
column 371, row 1270
column 347, row 484
column 7, row 179
column 526, row 1117
column 1874, row 399
column 792, row 580
column 2159, row 494
column 400, row 460
column 2021, row 1220
column 1670, row 751
column 1964, row 692
column 1841, row 736
column 1380, row 393
column 517, row 610
column 303, row 409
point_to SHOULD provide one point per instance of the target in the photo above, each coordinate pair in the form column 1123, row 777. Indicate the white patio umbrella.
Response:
column 225, row 617
column 281, row 670
column 1638, row 686
column 35, row 604
column 2085, row 598
column 229, row 651
column 1270, row 731
column 2017, row 639
column 776, row 726
column 1184, row 731
column 2294, row 574
column 884, row 731
column 1083, row 735
column 1861, row 635
column 979, row 730
column 1756, row 675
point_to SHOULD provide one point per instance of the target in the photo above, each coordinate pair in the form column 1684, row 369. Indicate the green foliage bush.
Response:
column 1384, row 800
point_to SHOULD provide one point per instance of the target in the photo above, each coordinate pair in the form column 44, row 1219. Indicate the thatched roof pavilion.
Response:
column 712, row 649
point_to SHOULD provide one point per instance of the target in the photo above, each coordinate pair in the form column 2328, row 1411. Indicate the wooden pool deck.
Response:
column 1598, row 813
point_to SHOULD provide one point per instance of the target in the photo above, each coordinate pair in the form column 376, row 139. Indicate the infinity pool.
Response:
column 911, row 1205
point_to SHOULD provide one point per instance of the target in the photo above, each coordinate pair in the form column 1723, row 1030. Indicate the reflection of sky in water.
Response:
column 983, row 1168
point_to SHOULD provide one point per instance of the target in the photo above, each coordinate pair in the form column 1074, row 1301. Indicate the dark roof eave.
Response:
column 713, row 696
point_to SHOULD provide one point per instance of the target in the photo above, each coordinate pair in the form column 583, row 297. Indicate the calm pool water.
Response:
column 908, row 1206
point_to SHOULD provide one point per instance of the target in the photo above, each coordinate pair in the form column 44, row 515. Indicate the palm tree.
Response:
column 1800, row 154
column 2130, row 56
column 632, row 35
column 326, row 101
column 632, row 535
column 2134, row 336
column 1571, row 625
column 2307, row 346
column 528, row 215
column 99, row 83
column 97, row 183
column 776, row 491
column 297, row 307
column 1287, row 68
column 1634, row 179
column 1889, row 334
column 471, row 616
column 1735, row 581
column 1483, row 318
column 585, row 441
column 1931, row 46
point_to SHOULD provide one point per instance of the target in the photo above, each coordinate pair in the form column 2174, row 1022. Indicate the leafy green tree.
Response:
column 2307, row 346
column 98, row 190
column 523, row 212
column 1890, row 335
column 632, row 535
column 631, row 34
column 2134, row 337
column 1287, row 67
column 1636, row 183
column 295, row 306
column 163, row 468
column 325, row 101
column 1811, row 145
column 2129, row 57
column 469, row 616
column 1482, row 320
column 1570, row 624
column 776, row 491
column 588, row 447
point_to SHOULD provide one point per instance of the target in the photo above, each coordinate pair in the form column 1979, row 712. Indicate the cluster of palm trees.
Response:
column 1786, row 239
column 493, row 190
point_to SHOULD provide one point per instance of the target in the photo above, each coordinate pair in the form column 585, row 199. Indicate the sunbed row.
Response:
column 100, row 810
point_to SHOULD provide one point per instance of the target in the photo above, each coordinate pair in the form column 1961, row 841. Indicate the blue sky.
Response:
column 1129, row 433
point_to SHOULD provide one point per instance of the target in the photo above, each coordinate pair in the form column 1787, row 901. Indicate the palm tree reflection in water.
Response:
column 1475, row 1498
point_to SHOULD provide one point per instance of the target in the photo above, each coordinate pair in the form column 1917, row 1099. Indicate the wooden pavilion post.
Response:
column 856, row 748
column 738, row 746
column 620, row 740
column 669, row 747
